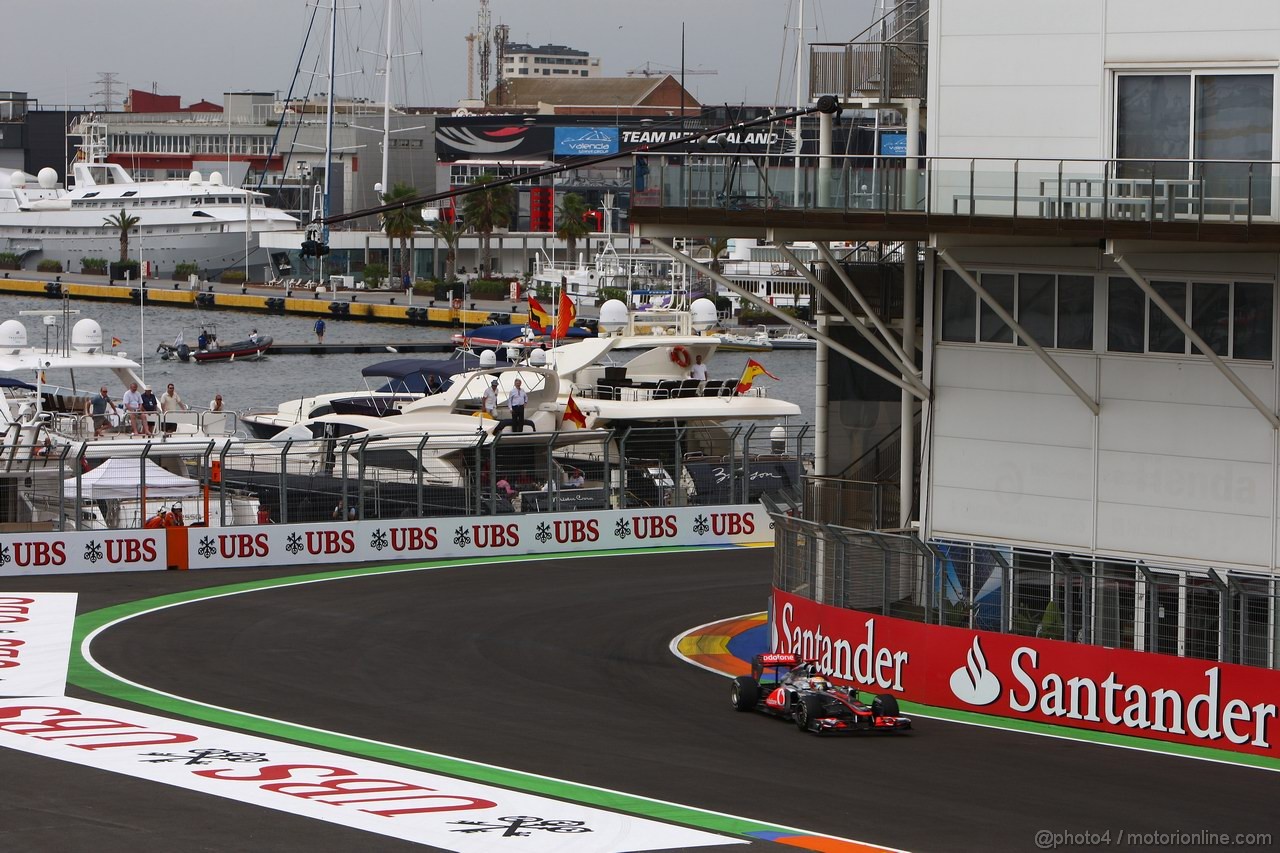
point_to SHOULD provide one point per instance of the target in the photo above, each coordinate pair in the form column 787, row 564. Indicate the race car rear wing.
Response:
column 773, row 659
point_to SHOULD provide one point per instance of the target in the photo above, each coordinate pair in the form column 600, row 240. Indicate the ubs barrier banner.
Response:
column 1198, row 702
column 77, row 552
column 478, row 536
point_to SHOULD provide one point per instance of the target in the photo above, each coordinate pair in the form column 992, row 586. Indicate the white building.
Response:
column 548, row 60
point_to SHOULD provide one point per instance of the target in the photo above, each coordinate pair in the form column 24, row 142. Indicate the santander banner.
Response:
column 1225, row 706
column 477, row 536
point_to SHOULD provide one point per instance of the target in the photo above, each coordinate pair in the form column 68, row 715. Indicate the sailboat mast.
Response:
column 328, row 133
column 386, row 102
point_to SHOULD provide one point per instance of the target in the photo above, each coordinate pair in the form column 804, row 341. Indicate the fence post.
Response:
column 678, row 488
column 222, row 484
column 605, row 456
column 421, row 446
column 360, row 469
column 283, row 483
column 733, row 465
column 746, row 464
column 622, row 468
column 62, row 490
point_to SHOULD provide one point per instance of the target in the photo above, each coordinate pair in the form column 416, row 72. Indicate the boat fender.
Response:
column 680, row 356
column 184, row 352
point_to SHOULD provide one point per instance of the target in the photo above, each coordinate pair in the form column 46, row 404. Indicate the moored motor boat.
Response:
column 241, row 350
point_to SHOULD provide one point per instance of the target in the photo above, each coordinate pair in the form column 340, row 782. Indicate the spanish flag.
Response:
column 574, row 415
column 564, row 317
column 539, row 319
column 115, row 342
column 749, row 373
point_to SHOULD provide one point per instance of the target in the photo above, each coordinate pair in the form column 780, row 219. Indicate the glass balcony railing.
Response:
column 1218, row 191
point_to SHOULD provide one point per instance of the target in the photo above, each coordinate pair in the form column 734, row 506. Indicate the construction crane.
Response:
column 653, row 69
column 471, row 66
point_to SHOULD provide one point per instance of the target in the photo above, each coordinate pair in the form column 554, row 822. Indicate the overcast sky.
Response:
column 58, row 50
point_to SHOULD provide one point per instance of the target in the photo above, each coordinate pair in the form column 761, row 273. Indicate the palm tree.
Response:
column 570, row 225
column 124, row 223
column 401, row 223
column 486, row 210
column 450, row 233
column 717, row 246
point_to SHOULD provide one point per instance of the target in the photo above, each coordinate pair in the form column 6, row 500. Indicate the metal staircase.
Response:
column 886, row 62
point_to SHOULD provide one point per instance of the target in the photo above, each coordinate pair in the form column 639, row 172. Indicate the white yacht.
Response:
column 199, row 221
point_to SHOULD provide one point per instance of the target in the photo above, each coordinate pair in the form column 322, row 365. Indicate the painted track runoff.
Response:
column 562, row 668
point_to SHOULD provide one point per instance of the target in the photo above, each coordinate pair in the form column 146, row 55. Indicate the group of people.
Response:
column 517, row 400
column 140, row 408
column 172, row 517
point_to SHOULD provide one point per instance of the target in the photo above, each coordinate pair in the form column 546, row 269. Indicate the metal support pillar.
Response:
column 822, row 397
column 906, row 435
column 1022, row 333
column 667, row 249
column 825, row 134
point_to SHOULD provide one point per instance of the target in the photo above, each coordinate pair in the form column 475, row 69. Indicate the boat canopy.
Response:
column 510, row 331
column 422, row 375
column 9, row 382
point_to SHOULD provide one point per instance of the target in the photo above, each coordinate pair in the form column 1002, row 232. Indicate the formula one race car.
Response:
column 783, row 685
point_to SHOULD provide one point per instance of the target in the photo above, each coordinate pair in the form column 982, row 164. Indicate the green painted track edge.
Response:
column 83, row 674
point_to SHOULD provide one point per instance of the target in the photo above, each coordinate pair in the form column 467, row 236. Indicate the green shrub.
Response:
column 49, row 265
column 8, row 261
column 375, row 274
column 232, row 277
column 604, row 294
column 485, row 288
column 543, row 291
column 184, row 270
column 93, row 266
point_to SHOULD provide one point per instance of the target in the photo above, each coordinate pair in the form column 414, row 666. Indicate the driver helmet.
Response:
column 819, row 683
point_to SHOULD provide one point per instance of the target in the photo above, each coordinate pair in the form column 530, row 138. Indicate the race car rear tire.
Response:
column 807, row 708
column 884, row 705
column 745, row 693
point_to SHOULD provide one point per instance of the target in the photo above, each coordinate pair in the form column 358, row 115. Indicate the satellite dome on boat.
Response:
column 17, row 179
column 488, row 359
column 47, row 177
column 613, row 315
column 538, row 358
column 86, row 336
column 215, row 178
column 13, row 335
column 195, row 177
column 703, row 314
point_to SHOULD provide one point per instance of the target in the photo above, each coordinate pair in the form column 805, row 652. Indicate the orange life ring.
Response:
column 680, row 356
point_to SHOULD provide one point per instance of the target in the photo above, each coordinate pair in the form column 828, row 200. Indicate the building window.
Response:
column 1233, row 318
column 1055, row 310
column 1209, row 116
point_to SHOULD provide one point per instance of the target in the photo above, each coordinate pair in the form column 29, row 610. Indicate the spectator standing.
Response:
column 517, row 400
column 132, row 402
column 150, row 406
column 319, row 327
column 171, row 402
column 490, row 400
column 97, row 408
column 698, row 370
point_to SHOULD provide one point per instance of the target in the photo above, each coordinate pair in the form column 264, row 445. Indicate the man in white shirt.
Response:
column 517, row 400
column 699, row 370
column 132, row 402
column 490, row 400
column 170, row 402
column 215, row 405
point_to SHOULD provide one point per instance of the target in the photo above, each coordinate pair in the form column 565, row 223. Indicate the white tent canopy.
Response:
column 123, row 478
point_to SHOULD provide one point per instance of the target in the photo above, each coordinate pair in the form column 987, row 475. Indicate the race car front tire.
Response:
column 884, row 705
column 807, row 708
column 745, row 693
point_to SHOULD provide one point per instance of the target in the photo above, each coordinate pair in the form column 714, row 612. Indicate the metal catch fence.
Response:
column 1208, row 613
column 355, row 478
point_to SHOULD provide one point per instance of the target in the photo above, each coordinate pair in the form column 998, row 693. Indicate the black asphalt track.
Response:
column 562, row 668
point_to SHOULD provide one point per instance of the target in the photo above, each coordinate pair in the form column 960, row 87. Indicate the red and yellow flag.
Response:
column 115, row 342
column 749, row 373
column 564, row 317
column 539, row 319
column 574, row 415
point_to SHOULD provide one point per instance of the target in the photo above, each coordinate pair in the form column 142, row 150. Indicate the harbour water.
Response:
column 268, row 382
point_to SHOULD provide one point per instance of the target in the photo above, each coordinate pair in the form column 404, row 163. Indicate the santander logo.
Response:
column 973, row 683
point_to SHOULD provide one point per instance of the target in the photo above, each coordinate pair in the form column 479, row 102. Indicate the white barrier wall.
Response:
column 80, row 552
column 367, row 541
column 478, row 536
